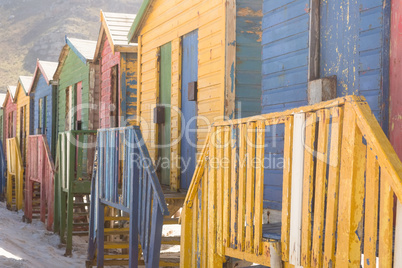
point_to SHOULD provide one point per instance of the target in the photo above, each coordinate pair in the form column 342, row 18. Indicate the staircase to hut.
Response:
column 39, row 180
column 15, row 176
column 72, row 184
column 340, row 176
column 131, row 213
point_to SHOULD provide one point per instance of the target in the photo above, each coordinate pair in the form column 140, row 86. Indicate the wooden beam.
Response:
column 314, row 41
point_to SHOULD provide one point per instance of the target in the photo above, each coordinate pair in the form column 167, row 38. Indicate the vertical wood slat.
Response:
column 296, row 198
column 259, row 187
column 320, row 191
column 333, row 185
column 186, row 251
column 308, row 180
column 352, row 192
column 398, row 234
column 242, row 185
column 194, row 232
column 250, row 187
column 212, row 201
column 226, row 184
column 386, row 222
column 234, row 187
column 199, row 221
column 371, row 213
column 286, row 194
column 217, row 141
column 204, row 229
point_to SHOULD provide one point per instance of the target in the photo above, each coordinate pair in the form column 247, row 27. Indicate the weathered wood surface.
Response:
column 128, row 186
column 40, row 169
column 343, row 155
column 15, row 175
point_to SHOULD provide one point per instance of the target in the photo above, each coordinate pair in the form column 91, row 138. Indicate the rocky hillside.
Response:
column 32, row 29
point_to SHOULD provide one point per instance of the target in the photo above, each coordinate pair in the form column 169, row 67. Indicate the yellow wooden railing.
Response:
column 15, row 175
column 331, row 150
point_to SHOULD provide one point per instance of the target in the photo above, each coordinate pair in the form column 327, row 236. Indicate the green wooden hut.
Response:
column 77, row 95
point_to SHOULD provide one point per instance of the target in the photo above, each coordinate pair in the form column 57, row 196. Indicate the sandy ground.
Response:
column 31, row 245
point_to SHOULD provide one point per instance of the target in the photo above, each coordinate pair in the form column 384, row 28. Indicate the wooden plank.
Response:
column 352, row 191
column 371, row 213
column 398, row 234
column 234, row 187
column 213, row 205
column 296, row 198
column 187, row 223
column 286, row 192
column 387, row 158
column 259, row 187
column 333, row 185
column 314, row 41
column 218, row 143
column 250, row 184
column 194, row 232
column 230, row 60
column 386, row 221
column 205, row 217
column 242, row 186
column 308, row 182
column 320, row 188
column 225, row 161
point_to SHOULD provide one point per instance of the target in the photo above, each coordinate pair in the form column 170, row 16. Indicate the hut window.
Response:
column 114, row 91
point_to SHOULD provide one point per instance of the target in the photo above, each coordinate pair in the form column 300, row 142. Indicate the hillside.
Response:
column 32, row 29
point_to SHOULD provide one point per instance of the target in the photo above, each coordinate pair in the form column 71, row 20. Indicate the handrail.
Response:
column 40, row 169
column 15, row 170
column 322, row 144
column 125, row 179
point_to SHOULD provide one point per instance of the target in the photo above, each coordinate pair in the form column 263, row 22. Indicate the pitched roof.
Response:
column 47, row 69
column 85, row 49
column 26, row 82
column 11, row 90
column 139, row 19
column 2, row 98
column 116, row 27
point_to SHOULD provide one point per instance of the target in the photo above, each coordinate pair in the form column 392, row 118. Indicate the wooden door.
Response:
column 164, row 99
column 114, row 91
column 188, row 109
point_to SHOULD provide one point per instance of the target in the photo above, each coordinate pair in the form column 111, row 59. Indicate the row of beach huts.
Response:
column 267, row 131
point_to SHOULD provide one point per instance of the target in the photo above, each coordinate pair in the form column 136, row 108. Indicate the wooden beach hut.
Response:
column 196, row 59
column 39, row 174
column 23, row 101
column 77, row 121
column 77, row 95
column 43, row 95
column 117, row 59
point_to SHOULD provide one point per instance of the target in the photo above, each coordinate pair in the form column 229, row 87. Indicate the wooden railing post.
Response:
column 352, row 191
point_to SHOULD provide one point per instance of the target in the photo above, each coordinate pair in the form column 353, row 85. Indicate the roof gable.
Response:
column 47, row 69
column 116, row 27
column 84, row 49
column 24, row 82
column 11, row 90
column 139, row 20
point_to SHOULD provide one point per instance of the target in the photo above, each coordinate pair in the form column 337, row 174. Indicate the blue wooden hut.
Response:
column 314, row 48
column 43, row 96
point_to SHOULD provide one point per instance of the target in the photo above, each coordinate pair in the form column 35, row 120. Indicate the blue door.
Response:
column 189, row 109
column 285, row 49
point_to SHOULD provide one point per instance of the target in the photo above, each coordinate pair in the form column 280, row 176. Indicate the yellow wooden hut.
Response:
column 23, row 100
column 199, row 62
